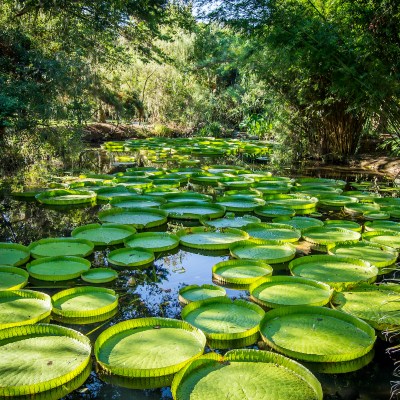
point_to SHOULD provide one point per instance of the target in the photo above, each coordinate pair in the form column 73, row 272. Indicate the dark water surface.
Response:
column 154, row 292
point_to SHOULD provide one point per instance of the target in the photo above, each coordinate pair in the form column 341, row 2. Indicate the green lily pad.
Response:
column 13, row 254
column 378, row 255
column 138, row 201
column 139, row 218
column 326, row 235
column 279, row 291
column 345, row 224
column 300, row 223
column 230, row 221
column 54, row 247
column 210, row 239
column 376, row 215
column 104, row 235
column 267, row 188
column 129, row 257
column 258, row 374
column 66, row 197
column 154, row 241
column 148, row 348
column 273, row 233
column 339, row 272
column 59, row 268
column 23, row 307
column 336, row 201
column 385, row 238
column 12, row 278
column 240, row 203
column 379, row 305
column 109, row 193
column 99, row 275
column 187, row 196
column 273, row 211
column 240, row 272
column 360, row 208
column 206, row 179
column 195, row 292
column 295, row 202
column 60, row 354
column 225, row 323
column 382, row 226
column 325, row 335
column 259, row 250
column 84, row 302
column 193, row 210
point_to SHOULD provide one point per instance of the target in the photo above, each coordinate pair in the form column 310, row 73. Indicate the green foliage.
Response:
column 212, row 129
column 332, row 65
column 162, row 130
column 257, row 125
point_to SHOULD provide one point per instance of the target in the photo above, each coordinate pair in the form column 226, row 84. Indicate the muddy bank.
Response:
column 97, row 133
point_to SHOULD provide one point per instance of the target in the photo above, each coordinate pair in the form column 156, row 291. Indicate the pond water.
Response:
column 153, row 291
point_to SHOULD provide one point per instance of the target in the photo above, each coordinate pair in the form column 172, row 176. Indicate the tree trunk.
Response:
column 101, row 115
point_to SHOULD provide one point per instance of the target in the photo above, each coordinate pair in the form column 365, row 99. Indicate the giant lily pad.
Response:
column 103, row 235
column 12, row 277
column 139, row 218
column 260, row 250
column 384, row 225
column 13, row 254
column 278, row 291
column 339, row 223
column 60, row 354
column 378, row 255
column 385, row 238
column 323, row 335
column 195, row 292
column 129, row 257
column 231, row 221
column 273, row 211
column 84, row 302
column 23, row 307
column 226, row 323
column 379, row 305
column 273, row 233
column 138, row 201
column 54, row 247
column 148, row 348
column 240, row 203
column 210, row 239
column 326, row 235
column 339, row 272
column 257, row 374
column 336, row 201
column 240, row 272
column 154, row 241
column 59, row 268
column 187, row 196
column 99, row 275
column 300, row 223
column 193, row 210
column 62, row 197
column 295, row 202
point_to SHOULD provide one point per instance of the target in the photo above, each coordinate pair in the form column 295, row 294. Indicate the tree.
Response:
column 51, row 50
column 333, row 64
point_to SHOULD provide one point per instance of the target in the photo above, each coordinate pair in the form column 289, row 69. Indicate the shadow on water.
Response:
column 153, row 291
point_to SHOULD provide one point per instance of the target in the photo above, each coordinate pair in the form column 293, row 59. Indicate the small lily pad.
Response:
column 129, row 257
column 195, row 292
